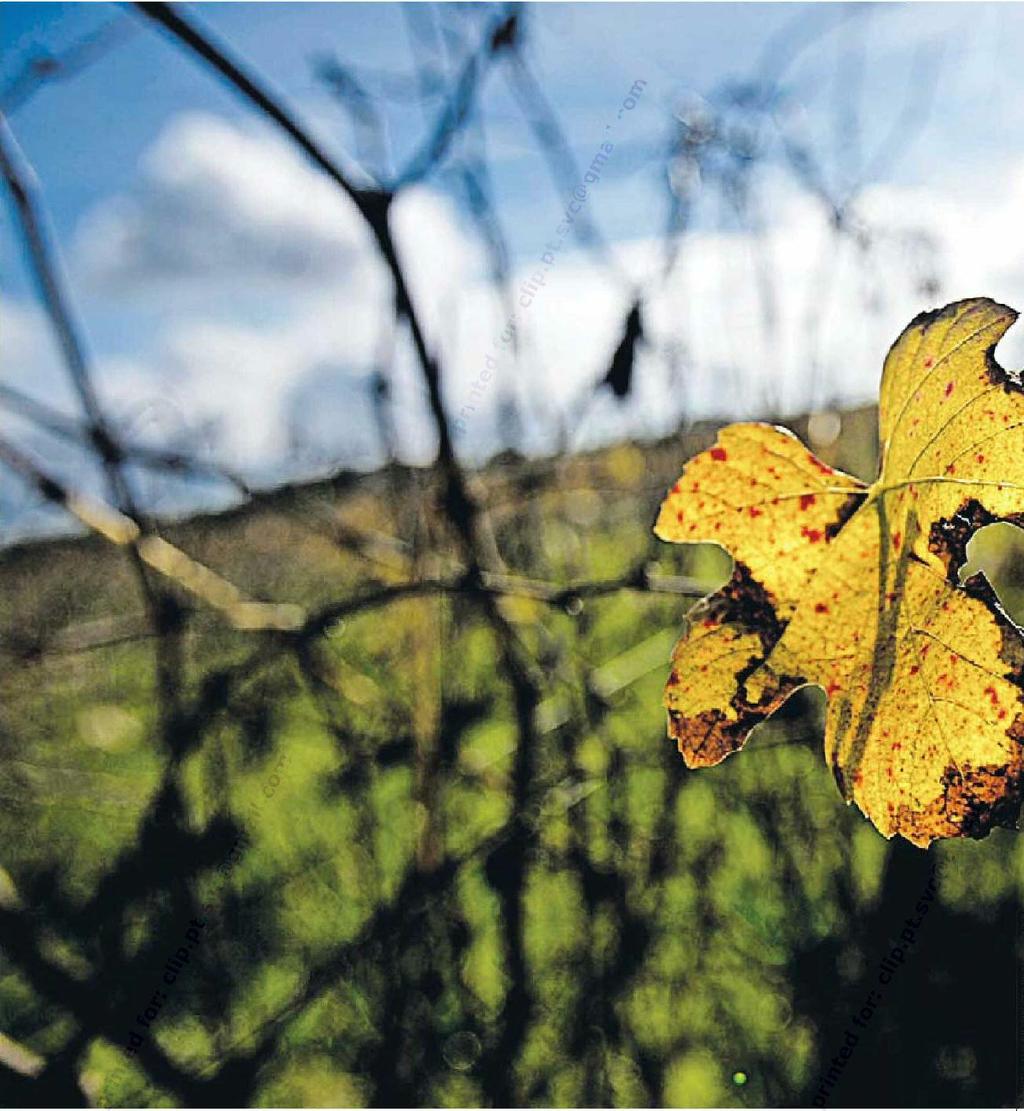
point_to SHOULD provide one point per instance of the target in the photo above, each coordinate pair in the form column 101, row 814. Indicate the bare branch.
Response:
column 43, row 68
column 48, row 273
column 159, row 459
column 156, row 552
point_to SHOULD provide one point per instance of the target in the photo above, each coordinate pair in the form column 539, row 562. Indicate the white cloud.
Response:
column 262, row 307
column 270, row 301
column 834, row 307
column 29, row 353
column 216, row 202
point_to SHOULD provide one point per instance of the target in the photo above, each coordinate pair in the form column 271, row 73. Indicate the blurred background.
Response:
column 346, row 352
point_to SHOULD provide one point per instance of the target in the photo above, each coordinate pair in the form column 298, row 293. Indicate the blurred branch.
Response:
column 922, row 83
column 20, row 937
column 564, row 171
column 66, row 428
column 394, row 920
column 373, row 206
column 457, row 108
column 784, row 47
column 640, row 579
column 52, row 287
column 42, row 67
column 201, row 44
column 370, row 125
column 156, row 552
column 113, row 632
column 26, row 1076
column 427, row 45
column 104, row 632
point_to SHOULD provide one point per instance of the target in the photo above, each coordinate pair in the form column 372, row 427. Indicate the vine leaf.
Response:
column 857, row 589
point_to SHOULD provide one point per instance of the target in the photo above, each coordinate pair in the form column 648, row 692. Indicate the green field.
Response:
column 400, row 907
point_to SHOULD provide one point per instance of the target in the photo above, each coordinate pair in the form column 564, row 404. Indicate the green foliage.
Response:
column 680, row 930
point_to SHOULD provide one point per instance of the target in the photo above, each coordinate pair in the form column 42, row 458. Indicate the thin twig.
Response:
column 159, row 459
column 155, row 552
column 50, row 280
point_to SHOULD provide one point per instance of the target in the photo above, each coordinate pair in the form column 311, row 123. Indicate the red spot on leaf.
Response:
column 949, row 389
column 754, row 511
column 897, row 540
column 719, row 454
column 914, row 669
column 812, row 534
column 980, row 457
column 807, row 500
column 928, row 362
column 820, row 607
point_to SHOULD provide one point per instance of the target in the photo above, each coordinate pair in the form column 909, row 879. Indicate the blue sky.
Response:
column 147, row 162
column 84, row 136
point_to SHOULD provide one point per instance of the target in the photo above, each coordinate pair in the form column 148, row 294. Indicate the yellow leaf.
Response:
column 858, row 590
column 761, row 495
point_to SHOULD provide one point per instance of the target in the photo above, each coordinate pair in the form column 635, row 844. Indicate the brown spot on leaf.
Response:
column 743, row 603
column 974, row 800
column 708, row 738
column 846, row 511
column 949, row 536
